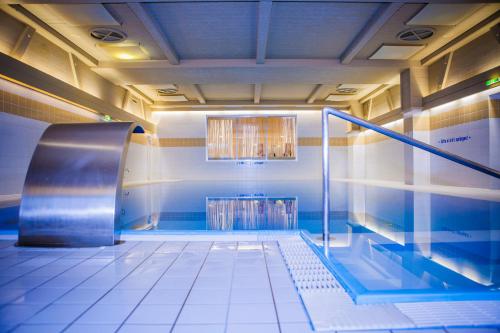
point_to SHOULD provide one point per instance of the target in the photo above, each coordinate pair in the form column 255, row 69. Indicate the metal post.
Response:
column 397, row 136
column 326, row 183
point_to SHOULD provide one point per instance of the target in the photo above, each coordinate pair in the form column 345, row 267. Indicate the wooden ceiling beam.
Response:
column 381, row 16
column 263, row 23
column 257, row 93
column 247, row 63
column 156, row 31
column 199, row 94
column 314, row 94
column 247, row 103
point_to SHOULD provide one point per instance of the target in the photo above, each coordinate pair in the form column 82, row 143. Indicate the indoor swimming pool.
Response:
column 387, row 244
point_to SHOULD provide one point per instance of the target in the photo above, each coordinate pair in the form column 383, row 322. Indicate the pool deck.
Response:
column 171, row 286
column 158, row 286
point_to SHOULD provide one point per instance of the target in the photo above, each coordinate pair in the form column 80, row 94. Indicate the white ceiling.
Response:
column 443, row 14
column 217, row 43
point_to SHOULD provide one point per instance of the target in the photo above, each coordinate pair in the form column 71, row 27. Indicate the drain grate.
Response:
column 307, row 271
column 327, row 303
column 330, row 307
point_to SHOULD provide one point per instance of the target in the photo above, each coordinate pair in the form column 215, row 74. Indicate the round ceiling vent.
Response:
column 108, row 35
column 170, row 89
column 347, row 90
column 415, row 34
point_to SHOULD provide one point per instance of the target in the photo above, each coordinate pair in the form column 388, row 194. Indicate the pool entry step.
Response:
column 330, row 308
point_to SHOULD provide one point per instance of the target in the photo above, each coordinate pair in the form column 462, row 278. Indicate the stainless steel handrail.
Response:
column 400, row 137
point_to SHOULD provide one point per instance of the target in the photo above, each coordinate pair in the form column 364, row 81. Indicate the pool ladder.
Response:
column 382, row 130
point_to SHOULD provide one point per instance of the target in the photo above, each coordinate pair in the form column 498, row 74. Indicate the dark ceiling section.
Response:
column 211, row 30
column 315, row 29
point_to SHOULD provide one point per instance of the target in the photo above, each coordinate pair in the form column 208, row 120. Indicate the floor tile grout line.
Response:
column 34, row 269
column 93, row 274
column 41, row 284
column 10, row 243
column 190, row 289
column 71, row 289
column 231, row 289
column 271, row 286
column 13, row 253
column 149, row 291
column 22, row 262
column 113, row 287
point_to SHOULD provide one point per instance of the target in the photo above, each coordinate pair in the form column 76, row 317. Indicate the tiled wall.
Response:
column 375, row 156
column 18, row 139
column 142, row 163
column 25, row 107
column 183, row 154
column 467, row 128
column 25, row 114
column 461, row 114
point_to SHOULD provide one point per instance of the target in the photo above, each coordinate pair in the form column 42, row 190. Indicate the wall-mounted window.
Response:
column 251, row 138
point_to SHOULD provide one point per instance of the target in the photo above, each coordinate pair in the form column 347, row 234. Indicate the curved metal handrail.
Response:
column 397, row 136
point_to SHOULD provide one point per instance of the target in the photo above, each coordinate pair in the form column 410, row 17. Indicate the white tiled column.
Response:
column 417, row 162
column 494, row 136
column 413, row 87
column 356, row 170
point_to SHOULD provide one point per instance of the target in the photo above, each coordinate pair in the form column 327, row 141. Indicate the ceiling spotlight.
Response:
column 125, row 51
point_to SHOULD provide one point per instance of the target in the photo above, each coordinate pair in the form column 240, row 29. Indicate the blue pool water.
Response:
column 387, row 244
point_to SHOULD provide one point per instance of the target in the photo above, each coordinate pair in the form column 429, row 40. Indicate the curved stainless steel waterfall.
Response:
column 72, row 191
column 400, row 137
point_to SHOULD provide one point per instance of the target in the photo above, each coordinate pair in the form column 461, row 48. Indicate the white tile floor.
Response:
column 149, row 287
column 155, row 286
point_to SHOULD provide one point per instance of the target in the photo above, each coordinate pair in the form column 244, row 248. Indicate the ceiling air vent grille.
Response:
column 168, row 90
column 108, row 35
column 346, row 91
column 415, row 34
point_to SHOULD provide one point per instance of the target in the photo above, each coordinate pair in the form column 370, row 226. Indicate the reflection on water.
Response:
column 387, row 244
column 251, row 214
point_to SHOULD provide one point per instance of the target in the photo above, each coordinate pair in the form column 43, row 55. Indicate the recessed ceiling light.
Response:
column 396, row 52
column 443, row 14
column 125, row 51
column 174, row 98
column 339, row 97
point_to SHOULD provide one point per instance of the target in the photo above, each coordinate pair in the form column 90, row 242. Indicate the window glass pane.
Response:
column 251, row 138
column 221, row 138
column 281, row 138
